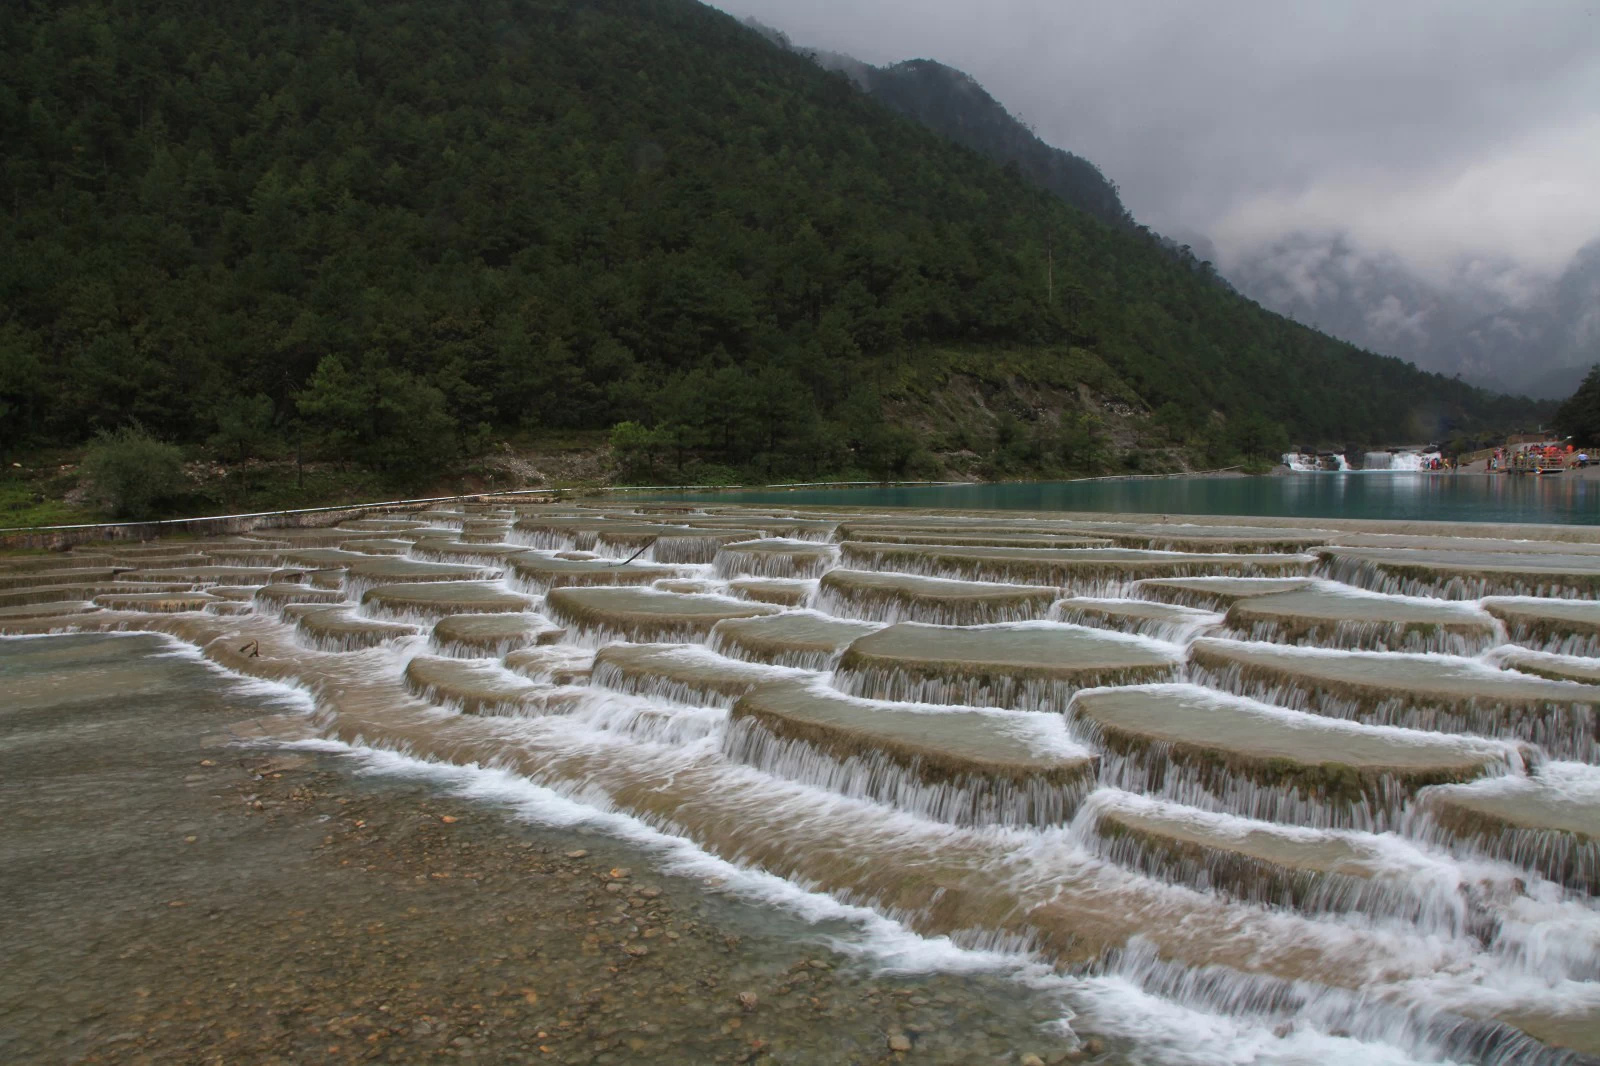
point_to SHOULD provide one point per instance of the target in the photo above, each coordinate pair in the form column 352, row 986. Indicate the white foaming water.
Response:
column 1566, row 729
column 1177, row 630
column 1307, row 463
column 1300, row 463
column 1115, row 1004
column 1399, row 462
column 1114, row 1009
column 1438, row 931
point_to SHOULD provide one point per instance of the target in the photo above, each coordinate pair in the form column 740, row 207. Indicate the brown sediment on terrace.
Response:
column 667, row 543
column 1144, row 617
column 279, row 594
column 149, row 550
column 645, row 614
column 478, row 686
column 544, row 572
column 160, row 602
column 1464, row 575
column 773, row 557
column 1576, row 1029
column 988, row 773
column 296, row 538
column 1260, row 862
column 687, row 586
column 884, row 596
column 688, row 673
column 376, row 547
column 1186, row 536
column 235, row 593
column 484, row 530
column 1570, row 627
column 1451, row 695
column 553, row 664
column 207, row 575
column 980, row 528
column 448, row 549
column 771, row 590
column 383, row 570
column 339, row 628
column 1543, row 824
column 1030, row 666
column 259, row 556
column 1464, row 542
column 800, row 528
column 65, row 576
column 22, row 564
column 440, row 515
column 439, row 598
column 803, row 639
column 1333, row 617
column 383, row 525
column 315, row 559
column 37, row 594
column 1181, row 737
column 52, row 609
column 1554, row 667
column 973, row 538
column 493, row 634
column 1213, row 593
column 1077, row 569
column 173, row 561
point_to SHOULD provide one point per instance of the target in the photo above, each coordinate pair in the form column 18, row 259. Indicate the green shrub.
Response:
column 129, row 472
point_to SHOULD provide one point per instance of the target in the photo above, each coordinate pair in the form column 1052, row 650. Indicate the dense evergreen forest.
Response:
column 386, row 232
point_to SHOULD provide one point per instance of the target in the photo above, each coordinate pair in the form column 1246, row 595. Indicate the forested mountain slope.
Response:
column 397, row 227
column 950, row 102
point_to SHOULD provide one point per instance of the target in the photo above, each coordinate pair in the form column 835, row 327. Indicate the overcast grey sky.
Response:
column 1441, row 130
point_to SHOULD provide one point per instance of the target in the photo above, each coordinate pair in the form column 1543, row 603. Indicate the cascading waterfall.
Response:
column 967, row 800
column 1388, row 880
column 1563, row 731
column 1324, row 909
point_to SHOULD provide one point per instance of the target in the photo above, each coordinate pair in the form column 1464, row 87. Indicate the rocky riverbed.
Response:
column 179, row 898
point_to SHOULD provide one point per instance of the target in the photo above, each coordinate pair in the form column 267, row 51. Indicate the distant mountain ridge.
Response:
column 952, row 103
column 1539, row 346
column 1375, row 301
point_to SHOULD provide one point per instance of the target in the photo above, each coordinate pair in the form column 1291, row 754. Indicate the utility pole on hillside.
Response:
column 1050, row 267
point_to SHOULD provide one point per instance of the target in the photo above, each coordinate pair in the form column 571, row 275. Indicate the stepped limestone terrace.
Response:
column 1335, row 786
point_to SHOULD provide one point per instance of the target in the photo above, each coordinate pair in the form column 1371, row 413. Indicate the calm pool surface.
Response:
column 1402, row 496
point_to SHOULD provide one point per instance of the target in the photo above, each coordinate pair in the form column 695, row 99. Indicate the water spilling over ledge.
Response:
column 645, row 615
column 894, row 597
column 1082, row 571
column 1028, row 666
column 1164, row 621
column 1450, row 694
column 805, row 639
column 1334, row 616
column 1236, row 755
column 959, row 766
column 1570, row 627
column 1368, row 820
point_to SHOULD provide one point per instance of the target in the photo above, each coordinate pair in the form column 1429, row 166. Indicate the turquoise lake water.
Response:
column 1403, row 496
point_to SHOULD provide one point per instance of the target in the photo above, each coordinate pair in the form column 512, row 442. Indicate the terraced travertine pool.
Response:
column 1264, row 793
